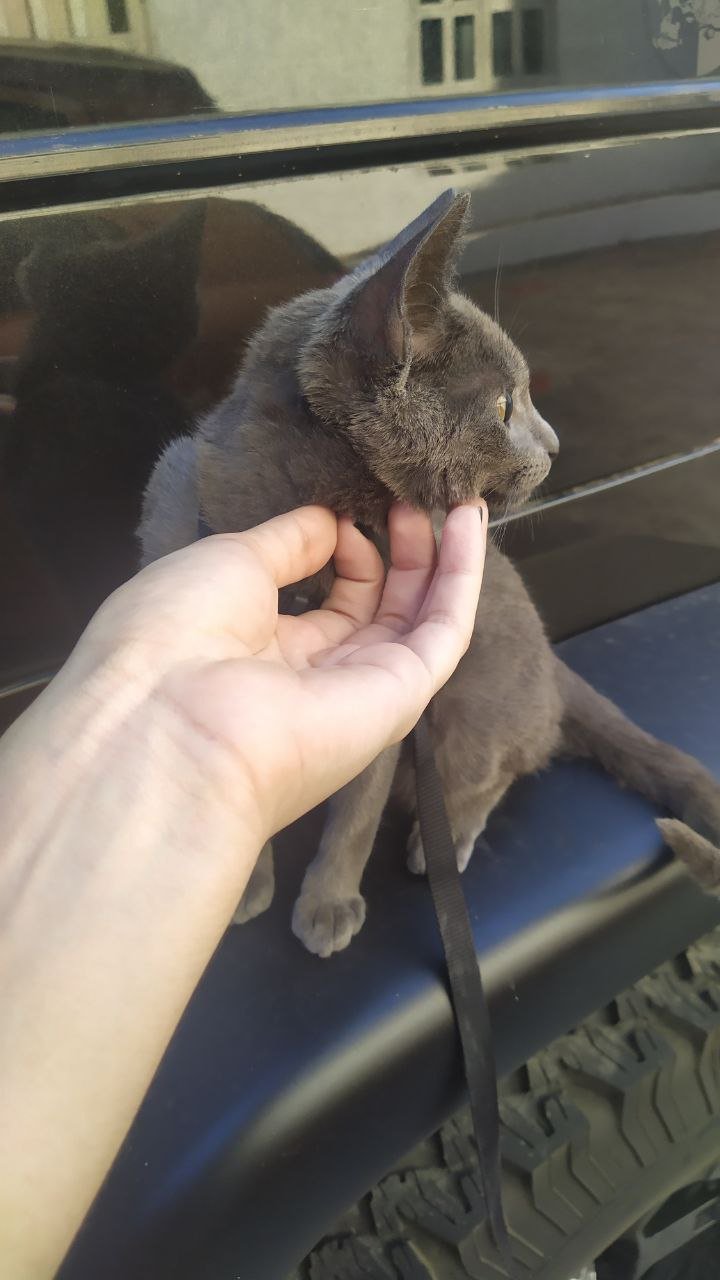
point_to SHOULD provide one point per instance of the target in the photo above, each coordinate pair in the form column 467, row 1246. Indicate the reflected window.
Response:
column 484, row 41
column 520, row 38
column 118, row 17
column 533, row 41
column 431, row 50
column 465, row 47
column 502, row 44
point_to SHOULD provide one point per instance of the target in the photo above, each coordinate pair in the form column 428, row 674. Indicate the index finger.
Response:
column 446, row 620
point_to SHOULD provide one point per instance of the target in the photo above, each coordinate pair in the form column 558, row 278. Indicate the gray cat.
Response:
column 392, row 385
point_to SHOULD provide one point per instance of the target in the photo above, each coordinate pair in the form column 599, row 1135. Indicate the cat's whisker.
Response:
column 536, row 511
column 502, row 524
column 498, row 273
column 511, row 326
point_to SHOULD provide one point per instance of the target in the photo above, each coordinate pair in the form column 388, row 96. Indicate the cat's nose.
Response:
column 545, row 435
column 550, row 440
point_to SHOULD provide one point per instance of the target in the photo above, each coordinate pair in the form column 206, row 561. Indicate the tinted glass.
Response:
column 120, row 324
column 69, row 63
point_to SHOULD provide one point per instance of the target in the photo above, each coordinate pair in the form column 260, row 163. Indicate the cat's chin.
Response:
column 501, row 502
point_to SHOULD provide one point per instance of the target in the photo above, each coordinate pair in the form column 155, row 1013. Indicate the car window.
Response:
column 66, row 63
column 131, row 282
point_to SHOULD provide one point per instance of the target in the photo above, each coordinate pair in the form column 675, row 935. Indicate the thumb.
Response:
column 295, row 545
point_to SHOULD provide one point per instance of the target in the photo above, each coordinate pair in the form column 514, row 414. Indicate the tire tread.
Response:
column 605, row 1111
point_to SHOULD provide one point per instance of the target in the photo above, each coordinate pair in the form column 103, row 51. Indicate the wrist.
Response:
column 101, row 754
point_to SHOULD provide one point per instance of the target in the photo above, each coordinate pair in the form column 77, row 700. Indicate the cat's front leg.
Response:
column 259, row 889
column 330, row 909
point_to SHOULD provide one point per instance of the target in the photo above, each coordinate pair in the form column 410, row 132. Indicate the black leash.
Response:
column 466, row 988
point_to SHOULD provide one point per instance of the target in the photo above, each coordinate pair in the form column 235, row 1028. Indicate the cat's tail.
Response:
column 593, row 726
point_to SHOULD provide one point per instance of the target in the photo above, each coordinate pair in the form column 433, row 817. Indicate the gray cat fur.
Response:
column 385, row 387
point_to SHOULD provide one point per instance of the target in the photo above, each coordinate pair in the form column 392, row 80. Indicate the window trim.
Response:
column 483, row 121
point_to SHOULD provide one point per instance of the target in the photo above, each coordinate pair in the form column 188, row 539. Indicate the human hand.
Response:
column 274, row 713
column 189, row 724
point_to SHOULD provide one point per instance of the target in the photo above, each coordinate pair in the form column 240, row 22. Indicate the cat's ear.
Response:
column 162, row 261
column 394, row 308
column 43, row 272
column 172, row 247
column 432, row 269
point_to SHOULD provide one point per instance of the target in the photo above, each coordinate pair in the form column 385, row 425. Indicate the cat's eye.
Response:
column 505, row 407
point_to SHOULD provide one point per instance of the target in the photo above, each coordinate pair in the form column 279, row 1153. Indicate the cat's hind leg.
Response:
column 468, row 809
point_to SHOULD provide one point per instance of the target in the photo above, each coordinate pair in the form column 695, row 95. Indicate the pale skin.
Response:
column 189, row 725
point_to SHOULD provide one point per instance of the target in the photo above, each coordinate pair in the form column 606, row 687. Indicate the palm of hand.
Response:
column 284, row 710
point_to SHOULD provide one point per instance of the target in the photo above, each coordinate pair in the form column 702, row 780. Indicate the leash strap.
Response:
column 466, row 988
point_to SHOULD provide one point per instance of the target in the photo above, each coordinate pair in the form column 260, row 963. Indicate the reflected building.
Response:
column 249, row 57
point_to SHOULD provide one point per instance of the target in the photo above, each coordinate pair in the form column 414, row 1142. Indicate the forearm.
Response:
column 190, row 722
column 115, row 888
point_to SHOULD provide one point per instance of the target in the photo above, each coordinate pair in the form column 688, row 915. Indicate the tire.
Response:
column 596, row 1130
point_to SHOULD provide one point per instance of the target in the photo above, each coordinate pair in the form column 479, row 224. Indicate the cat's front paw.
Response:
column 327, row 925
column 259, row 890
